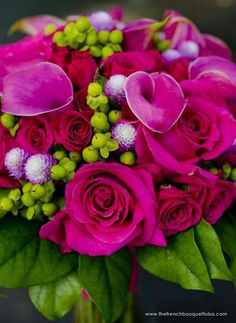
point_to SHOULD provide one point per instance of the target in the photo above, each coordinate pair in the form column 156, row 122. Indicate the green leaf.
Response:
column 226, row 231
column 3, row 193
column 25, row 259
column 56, row 299
column 180, row 262
column 210, row 248
column 107, row 279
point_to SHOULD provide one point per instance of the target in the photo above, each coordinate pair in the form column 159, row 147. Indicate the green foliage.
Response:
column 25, row 259
column 107, row 279
column 56, row 299
column 191, row 259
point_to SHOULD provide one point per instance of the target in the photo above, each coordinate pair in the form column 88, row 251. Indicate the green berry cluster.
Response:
column 96, row 98
column 32, row 202
column 225, row 172
column 65, row 168
column 161, row 44
column 9, row 121
column 81, row 35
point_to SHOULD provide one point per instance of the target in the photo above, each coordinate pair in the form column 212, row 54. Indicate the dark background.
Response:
column 212, row 16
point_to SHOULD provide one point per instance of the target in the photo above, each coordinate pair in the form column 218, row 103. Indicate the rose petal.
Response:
column 39, row 89
column 36, row 24
column 156, row 100
column 218, row 70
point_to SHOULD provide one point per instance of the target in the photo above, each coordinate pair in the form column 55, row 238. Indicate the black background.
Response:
column 212, row 16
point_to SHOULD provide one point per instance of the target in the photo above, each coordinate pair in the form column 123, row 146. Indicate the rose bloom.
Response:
column 177, row 210
column 129, row 62
column 204, row 131
column 213, row 194
column 108, row 206
column 73, row 130
column 35, row 134
column 178, row 69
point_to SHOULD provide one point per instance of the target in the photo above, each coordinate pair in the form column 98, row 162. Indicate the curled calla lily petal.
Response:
column 218, row 70
column 217, row 47
column 155, row 99
column 36, row 24
column 179, row 28
column 138, row 35
column 20, row 55
column 39, row 89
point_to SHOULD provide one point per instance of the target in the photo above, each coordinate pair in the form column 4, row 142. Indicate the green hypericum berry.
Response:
column 6, row 204
column 103, row 37
column 27, row 187
column 116, row 37
column 30, row 213
column 94, row 89
column 83, row 24
column 213, row 170
column 114, row 116
column 128, row 158
column 7, row 120
column 49, row 209
column 99, row 120
column 105, row 108
column 59, row 155
column 90, row 154
column 233, row 175
column 106, row 52
column 70, row 29
column 95, row 51
column 163, row 45
column 15, row 194
column 50, row 29
column 76, row 157
column 116, row 48
column 70, row 166
column 38, row 191
column 50, row 188
column 64, row 161
column 91, row 38
column 58, row 172
column 226, row 171
column 99, row 140
column 60, row 39
column 27, row 200
column 80, row 38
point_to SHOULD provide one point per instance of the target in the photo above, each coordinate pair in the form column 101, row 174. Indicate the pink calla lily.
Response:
column 39, row 89
column 216, row 46
column 218, row 70
column 36, row 24
column 155, row 99
column 20, row 55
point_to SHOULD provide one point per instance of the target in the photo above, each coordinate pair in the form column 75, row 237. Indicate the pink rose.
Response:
column 177, row 210
column 178, row 69
column 214, row 195
column 6, row 144
column 81, row 69
column 109, row 206
column 35, row 134
column 204, row 131
column 127, row 63
column 60, row 56
column 73, row 130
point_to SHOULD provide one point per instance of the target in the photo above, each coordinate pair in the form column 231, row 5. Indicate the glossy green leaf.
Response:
column 226, row 231
column 56, row 299
column 25, row 259
column 180, row 262
column 107, row 279
column 210, row 248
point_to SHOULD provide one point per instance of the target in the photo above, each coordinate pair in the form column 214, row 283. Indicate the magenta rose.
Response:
column 213, row 194
column 177, row 210
column 81, row 69
column 204, row 131
column 6, row 144
column 109, row 206
column 178, row 69
column 73, row 130
column 35, row 134
column 129, row 62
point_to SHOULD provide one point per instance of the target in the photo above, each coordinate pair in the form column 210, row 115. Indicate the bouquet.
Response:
column 117, row 150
